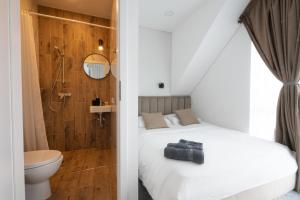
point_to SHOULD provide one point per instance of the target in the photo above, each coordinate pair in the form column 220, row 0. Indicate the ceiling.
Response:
column 154, row 13
column 97, row 8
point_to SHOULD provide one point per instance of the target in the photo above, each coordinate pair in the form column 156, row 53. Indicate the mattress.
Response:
column 234, row 163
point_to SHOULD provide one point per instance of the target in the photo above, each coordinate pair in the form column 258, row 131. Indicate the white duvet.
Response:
column 234, row 162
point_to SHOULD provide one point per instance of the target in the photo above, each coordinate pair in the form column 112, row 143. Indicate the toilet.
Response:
column 39, row 167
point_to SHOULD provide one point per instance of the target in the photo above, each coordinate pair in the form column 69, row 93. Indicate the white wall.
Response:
column 11, row 136
column 188, row 36
column 6, row 157
column 198, row 41
column 154, row 62
column 223, row 96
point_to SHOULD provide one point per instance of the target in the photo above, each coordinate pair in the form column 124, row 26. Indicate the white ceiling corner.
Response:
column 97, row 8
column 152, row 13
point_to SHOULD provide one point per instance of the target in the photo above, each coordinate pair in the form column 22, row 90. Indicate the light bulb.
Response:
column 100, row 47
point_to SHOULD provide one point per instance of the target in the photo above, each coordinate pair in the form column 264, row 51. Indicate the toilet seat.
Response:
column 34, row 159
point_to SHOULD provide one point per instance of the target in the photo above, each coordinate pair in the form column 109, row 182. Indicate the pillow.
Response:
column 141, row 122
column 173, row 119
column 168, row 122
column 186, row 117
column 154, row 120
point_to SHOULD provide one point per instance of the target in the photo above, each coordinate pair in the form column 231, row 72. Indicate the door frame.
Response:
column 128, row 116
column 12, row 81
column 128, row 126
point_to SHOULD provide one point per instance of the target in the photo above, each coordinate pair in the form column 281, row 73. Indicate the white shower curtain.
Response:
column 35, row 137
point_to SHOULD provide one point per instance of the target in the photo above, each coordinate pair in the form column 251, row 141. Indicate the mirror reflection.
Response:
column 96, row 66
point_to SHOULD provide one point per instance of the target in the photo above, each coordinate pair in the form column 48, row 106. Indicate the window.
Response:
column 264, row 94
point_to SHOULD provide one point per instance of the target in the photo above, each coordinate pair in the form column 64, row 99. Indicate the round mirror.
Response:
column 96, row 66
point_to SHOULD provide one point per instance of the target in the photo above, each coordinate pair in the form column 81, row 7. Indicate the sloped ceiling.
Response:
column 199, row 41
column 97, row 8
column 152, row 13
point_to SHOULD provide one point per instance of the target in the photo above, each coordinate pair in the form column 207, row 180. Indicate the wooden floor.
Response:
column 87, row 174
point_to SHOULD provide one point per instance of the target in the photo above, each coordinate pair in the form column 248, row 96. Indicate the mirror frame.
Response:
column 109, row 63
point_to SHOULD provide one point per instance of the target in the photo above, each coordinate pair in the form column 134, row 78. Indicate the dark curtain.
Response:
column 274, row 27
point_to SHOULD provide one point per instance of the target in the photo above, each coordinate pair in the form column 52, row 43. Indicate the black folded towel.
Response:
column 180, row 145
column 196, row 145
column 198, row 156
column 179, row 153
column 185, row 144
column 184, row 154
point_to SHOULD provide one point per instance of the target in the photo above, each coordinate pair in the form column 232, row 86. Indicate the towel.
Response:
column 180, row 145
column 179, row 153
column 185, row 144
column 195, row 145
column 198, row 156
column 184, row 154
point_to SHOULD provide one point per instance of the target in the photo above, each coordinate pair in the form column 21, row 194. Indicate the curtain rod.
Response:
column 70, row 20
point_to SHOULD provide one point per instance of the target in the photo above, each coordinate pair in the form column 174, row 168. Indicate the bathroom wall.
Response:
column 73, row 127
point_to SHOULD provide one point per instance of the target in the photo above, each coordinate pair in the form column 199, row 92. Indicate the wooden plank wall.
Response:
column 114, row 65
column 73, row 127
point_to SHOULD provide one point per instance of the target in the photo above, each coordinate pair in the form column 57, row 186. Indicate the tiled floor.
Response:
column 87, row 174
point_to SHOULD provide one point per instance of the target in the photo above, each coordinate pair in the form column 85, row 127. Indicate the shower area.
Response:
column 67, row 90
column 77, row 71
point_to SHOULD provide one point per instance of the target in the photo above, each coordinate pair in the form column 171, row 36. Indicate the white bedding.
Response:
column 234, row 162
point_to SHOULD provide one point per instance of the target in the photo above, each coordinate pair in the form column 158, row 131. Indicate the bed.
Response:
column 237, row 166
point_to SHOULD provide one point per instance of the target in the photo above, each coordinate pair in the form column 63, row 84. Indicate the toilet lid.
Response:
column 34, row 159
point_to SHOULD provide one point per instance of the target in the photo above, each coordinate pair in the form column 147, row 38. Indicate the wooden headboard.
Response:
column 163, row 104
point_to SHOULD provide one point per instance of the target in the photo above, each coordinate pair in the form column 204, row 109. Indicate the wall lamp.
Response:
column 100, row 47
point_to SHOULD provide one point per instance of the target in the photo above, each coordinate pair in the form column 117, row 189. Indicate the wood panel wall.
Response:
column 72, row 126
column 115, row 66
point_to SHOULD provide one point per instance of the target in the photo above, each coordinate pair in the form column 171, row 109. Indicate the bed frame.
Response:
column 164, row 104
column 268, row 191
column 143, row 193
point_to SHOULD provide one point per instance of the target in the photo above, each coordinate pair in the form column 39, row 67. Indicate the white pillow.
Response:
column 142, row 123
column 173, row 119
column 168, row 122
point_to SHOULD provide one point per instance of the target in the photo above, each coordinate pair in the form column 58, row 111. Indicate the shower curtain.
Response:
column 35, row 137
